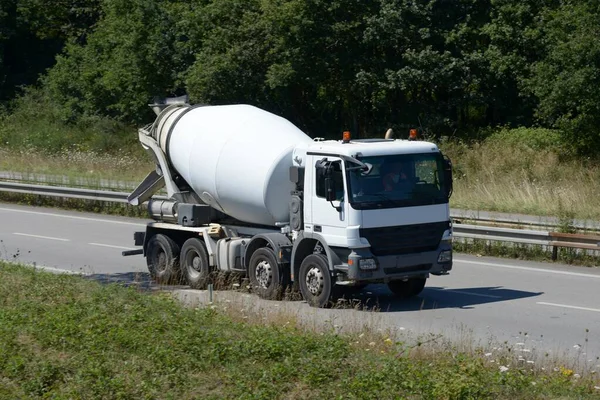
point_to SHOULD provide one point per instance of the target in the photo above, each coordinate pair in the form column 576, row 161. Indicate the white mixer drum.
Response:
column 235, row 157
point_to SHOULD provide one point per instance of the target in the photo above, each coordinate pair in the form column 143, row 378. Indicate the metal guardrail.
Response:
column 554, row 240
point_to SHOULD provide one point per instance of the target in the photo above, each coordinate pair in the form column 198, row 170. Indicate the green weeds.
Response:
column 65, row 337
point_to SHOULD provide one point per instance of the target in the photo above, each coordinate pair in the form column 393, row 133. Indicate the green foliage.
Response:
column 564, row 80
column 63, row 337
column 533, row 138
column 448, row 67
column 127, row 60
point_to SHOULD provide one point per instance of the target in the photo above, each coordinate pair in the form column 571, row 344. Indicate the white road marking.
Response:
column 110, row 245
column 568, row 306
column 42, row 237
column 549, row 271
column 467, row 293
column 110, row 221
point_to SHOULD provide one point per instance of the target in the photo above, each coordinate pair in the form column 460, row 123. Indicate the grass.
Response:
column 505, row 175
column 66, row 337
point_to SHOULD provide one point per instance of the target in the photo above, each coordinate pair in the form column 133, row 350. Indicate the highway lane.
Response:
column 541, row 306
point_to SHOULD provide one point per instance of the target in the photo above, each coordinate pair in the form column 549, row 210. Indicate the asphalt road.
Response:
column 532, row 306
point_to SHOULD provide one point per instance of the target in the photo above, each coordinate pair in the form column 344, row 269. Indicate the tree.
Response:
column 566, row 78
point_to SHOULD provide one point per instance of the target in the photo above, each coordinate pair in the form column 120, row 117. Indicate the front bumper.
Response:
column 395, row 267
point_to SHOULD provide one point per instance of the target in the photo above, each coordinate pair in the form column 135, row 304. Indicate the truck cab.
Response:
column 380, row 209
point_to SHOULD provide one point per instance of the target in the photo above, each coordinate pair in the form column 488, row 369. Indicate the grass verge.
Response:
column 65, row 337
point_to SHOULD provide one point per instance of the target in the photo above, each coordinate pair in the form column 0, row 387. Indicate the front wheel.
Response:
column 265, row 275
column 408, row 288
column 316, row 284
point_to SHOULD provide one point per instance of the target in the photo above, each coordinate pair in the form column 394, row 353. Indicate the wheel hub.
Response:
column 196, row 263
column 264, row 274
column 314, row 281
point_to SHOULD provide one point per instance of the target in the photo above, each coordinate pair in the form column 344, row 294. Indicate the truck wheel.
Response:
column 264, row 273
column 316, row 284
column 162, row 258
column 409, row 288
column 194, row 263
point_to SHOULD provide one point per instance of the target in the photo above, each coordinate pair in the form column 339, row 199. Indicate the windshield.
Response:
column 401, row 180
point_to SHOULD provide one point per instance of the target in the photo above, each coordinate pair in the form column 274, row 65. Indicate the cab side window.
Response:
column 338, row 181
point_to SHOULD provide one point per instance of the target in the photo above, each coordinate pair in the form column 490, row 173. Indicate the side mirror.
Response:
column 329, row 189
column 448, row 175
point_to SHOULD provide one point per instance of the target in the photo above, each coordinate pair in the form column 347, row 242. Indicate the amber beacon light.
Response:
column 346, row 137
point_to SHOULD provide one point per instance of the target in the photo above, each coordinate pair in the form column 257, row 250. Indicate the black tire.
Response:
column 265, row 274
column 316, row 283
column 195, row 270
column 162, row 259
column 406, row 289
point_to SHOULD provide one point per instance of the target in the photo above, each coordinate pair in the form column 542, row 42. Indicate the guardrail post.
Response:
column 554, row 253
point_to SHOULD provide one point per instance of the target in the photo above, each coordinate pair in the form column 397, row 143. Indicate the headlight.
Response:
column 367, row 263
column 447, row 236
column 445, row 256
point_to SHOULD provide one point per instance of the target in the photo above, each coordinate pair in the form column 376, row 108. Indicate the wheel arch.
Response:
column 281, row 245
column 305, row 245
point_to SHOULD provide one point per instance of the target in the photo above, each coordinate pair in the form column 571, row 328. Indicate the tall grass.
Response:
column 504, row 174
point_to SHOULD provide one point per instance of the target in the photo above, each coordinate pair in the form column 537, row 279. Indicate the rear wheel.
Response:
column 408, row 288
column 265, row 275
column 316, row 283
column 194, row 263
column 162, row 259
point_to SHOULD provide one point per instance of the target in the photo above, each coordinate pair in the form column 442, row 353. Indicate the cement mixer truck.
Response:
column 249, row 192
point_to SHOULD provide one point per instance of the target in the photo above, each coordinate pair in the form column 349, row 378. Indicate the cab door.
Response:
column 329, row 200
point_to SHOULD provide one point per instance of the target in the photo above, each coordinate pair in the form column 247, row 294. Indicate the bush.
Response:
column 36, row 122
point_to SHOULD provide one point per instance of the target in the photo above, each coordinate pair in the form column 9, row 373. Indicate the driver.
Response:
column 394, row 178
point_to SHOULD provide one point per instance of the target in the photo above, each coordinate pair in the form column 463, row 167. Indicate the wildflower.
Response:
column 534, row 383
column 566, row 371
column 487, row 354
column 236, row 285
column 597, row 387
column 503, row 368
column 577, row 347
column 576, row 376
column 361, row 335
column 372, row 344
column 531, row 362
column 388, row 341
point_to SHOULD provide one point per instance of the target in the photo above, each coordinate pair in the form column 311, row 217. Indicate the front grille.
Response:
column 395, row 240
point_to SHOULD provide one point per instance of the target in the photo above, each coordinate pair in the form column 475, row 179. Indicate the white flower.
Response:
column 576, row 376
column 577, row 347
column 487, row 354
column 503, row 368
column 530, row 362
column 597, row 387
column 236, row 285
column 372, row 344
